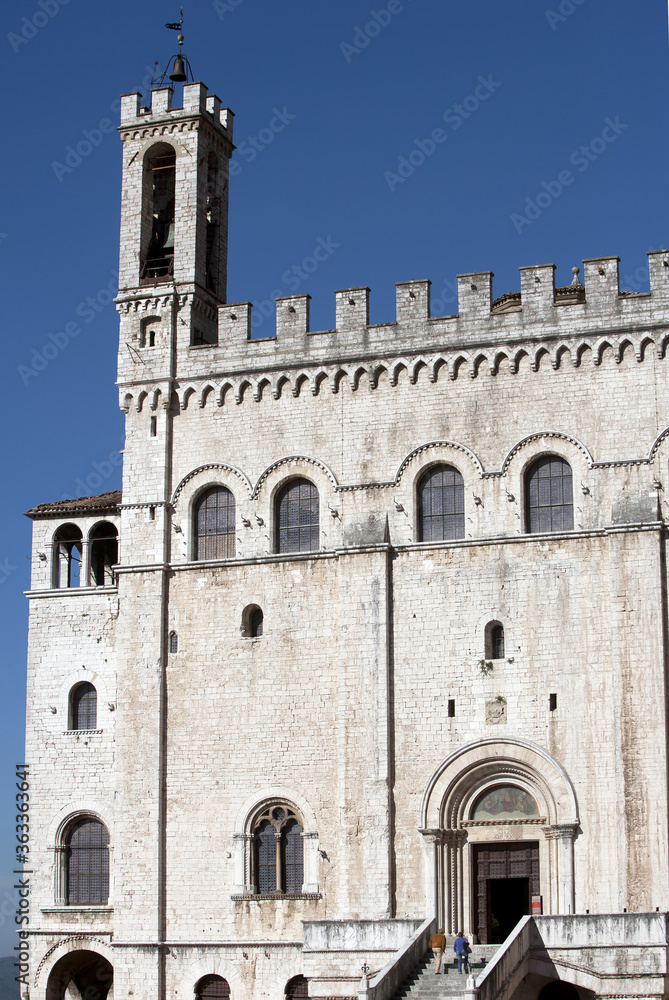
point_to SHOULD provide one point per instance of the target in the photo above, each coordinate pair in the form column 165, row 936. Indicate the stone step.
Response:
column 423, row 984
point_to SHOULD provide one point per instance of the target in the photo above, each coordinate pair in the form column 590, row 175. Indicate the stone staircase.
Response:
column 422, row 984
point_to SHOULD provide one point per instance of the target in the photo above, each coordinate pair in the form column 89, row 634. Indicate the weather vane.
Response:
column 181, row 69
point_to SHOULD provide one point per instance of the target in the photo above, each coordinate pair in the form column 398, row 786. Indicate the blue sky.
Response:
column 420, row 139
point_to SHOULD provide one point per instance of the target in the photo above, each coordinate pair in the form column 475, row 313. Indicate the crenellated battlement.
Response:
column 196, row 101
column 540, row 311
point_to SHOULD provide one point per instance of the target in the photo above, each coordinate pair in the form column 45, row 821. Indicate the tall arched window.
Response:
column 157, row 253
column 103, row 541
column 84, row 707
column 278, row 851
column 87, row 863
column 494, row 641
column 214, row 523
column 67, row 549
column 297, row 519
column 212, row 988
column 549, row 500
column 441, row 505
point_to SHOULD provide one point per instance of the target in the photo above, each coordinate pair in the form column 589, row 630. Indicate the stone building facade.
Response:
column 376, row 632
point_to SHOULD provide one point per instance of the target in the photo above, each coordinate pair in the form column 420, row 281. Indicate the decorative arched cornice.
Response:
column 274, row 795
column 205, row 468
column 293, row 458
column 437, row 444
column 64, row 942
column 656, row 444
column 538, row 436
column 515, row 752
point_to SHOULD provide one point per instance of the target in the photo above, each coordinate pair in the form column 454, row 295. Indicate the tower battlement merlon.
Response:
column 196, row 101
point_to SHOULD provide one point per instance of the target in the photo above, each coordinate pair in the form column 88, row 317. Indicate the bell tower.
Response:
column 174, row 212
column 172, row 274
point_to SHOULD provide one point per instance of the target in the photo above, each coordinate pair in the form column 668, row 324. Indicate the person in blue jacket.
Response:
column 461, row 949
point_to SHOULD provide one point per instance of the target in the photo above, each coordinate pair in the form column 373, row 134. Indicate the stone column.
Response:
column 454, row 890
column 310, row 840
column 241, row 846
column 60, row 875
column 563, row 834
column 434, row 889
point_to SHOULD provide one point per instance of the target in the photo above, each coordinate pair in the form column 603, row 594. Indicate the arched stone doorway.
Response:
column 498, row 819
column 81, row 975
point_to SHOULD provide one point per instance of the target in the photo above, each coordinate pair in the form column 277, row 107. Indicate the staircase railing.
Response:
column 385, row 983
column 503, row 974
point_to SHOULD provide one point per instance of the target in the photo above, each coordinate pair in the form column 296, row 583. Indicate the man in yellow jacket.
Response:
column 438, row 944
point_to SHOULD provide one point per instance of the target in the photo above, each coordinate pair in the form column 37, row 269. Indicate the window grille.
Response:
column 441, row 505
column 549, row 496
column 297, row 988
column 88, row 864
column 298, row 517
column 293, row 864
column 84, row 707
column 174, row 642
column 266, row 858
column 212, row 988
column 215, row 524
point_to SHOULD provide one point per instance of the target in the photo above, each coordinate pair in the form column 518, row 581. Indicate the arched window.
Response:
column 84, row 707
column 549, row 500
column 174, row 642
column 278, row 851
column 252, row 621
column 297, row 518
column 297, row 988
column 441, row 505
column 87, row 863
column 103, row 541
column 212, row 988
column 157, row 251
column 494, row 641
column 67, row 549
column 214, row 522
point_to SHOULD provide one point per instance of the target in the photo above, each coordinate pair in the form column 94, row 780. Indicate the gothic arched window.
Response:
column 87, row 852
column 278, row 854
column 84, row 707
column 441, row 505
column 297, row 517
column 214, row 524
column 212, row 988
column 549, row 504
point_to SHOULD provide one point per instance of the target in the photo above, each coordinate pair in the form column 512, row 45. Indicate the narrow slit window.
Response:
column 451, row 708
column 552, row 702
